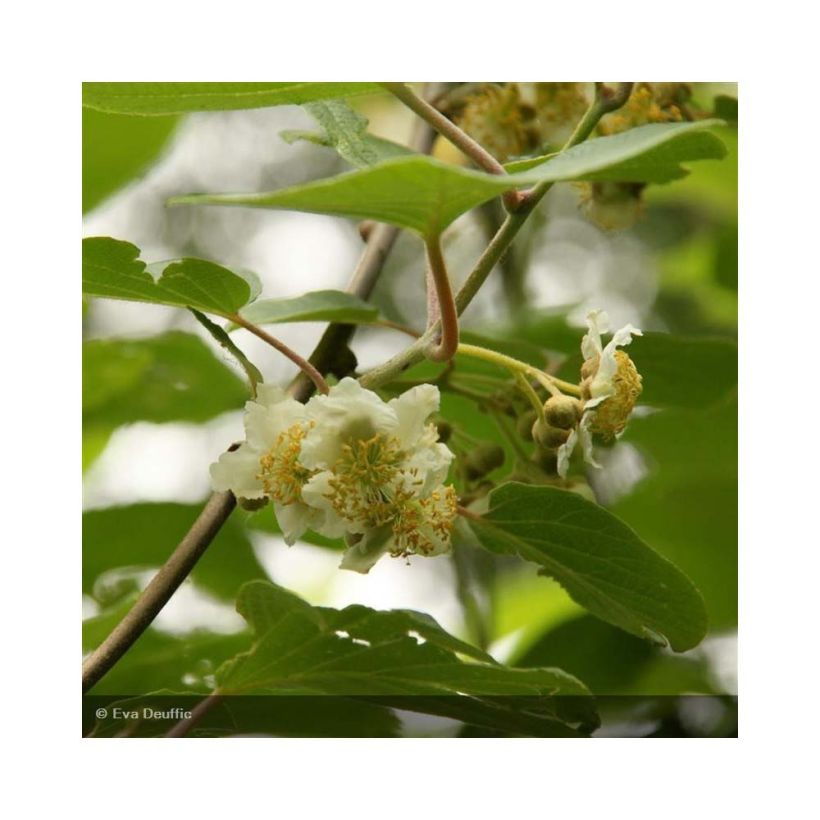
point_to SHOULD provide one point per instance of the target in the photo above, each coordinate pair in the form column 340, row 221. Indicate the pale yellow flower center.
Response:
column 422, row 524
column 363, row 477
column 281, row 474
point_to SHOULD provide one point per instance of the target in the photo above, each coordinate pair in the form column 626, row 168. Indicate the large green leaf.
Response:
column 613, row 662
column 598, row 559
column 345, row 130
column 687, row 504
column 425, row 195
column 685, row 371
column 112, row 268
column 317, row 306
column 415, row 192
column 180, row 98
column 116, row 149
column 650, row 153
column 145, row 535
column 171, row 377
column 301, row 649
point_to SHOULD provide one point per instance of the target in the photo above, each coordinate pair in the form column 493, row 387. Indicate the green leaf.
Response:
column 687, row 504
column 117, row 149
column 180, row 98
column 415, row 192
column 221, row 336
column 145, row 535
column 726, row 108
column 317, row 306
column 612, row 662
column 345, row 130
column 172, row 377
column 685, row 371
column 598, row 559
column 360, row 651
column 650, row 153
column 425, row 195
column 113, row 269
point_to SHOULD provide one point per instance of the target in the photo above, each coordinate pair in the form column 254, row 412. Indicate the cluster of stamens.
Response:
column 421, row 524
column 280, row 472
column 610, row 417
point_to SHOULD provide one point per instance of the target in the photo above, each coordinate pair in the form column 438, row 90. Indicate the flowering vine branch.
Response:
column 380, row 239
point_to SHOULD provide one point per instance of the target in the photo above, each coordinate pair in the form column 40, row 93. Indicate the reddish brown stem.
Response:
column 444, row 304
column 303, row 364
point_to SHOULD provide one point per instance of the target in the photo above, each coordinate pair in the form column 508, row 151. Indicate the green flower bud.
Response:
column 548, row 437
column 563, row 412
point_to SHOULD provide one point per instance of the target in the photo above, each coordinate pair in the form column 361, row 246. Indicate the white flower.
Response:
column 608, row 374
column 348, row 464
column 379, row 472
column 602, row 385
column 266, row 464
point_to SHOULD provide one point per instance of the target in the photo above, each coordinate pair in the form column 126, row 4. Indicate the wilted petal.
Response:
column 601, row 386
column 565, row 452
column 586, row 441
column 598, row 323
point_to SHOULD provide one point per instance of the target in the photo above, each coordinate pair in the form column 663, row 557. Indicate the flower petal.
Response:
column 237, row 471
column 361, row 556
column 608, row 366
column 565, row 452
column 347, row 411
column 598, row 323
column 413, row 408
column 586, row 441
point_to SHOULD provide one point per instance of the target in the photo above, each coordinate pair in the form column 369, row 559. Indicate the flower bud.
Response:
column 563, row 412
column 525, row 423
column 547, row 436
column 484, row 459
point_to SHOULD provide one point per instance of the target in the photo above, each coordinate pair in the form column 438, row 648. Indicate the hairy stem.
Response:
column 444, row 349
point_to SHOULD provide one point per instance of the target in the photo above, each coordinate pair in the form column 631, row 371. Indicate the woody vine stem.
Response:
column 439, row 340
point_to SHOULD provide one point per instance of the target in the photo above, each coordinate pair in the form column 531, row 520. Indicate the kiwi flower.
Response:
column 610, row 388
column 348, row 464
